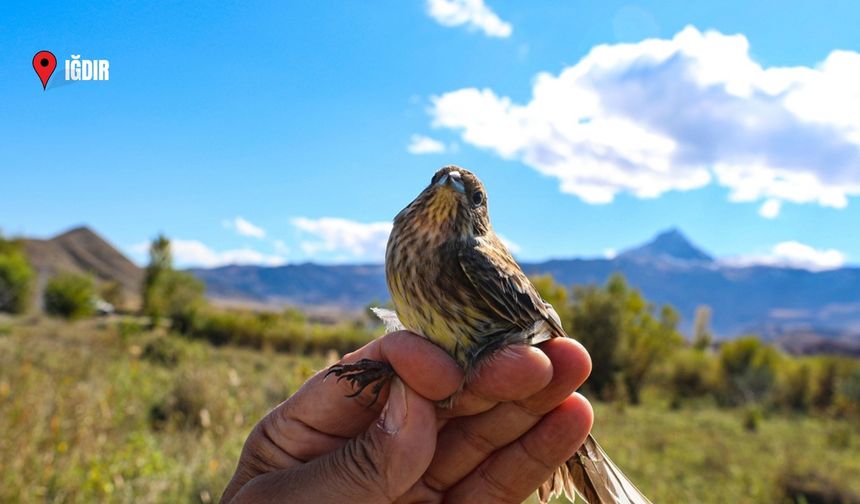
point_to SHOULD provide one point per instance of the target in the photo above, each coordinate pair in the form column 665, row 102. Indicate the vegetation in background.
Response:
column 143, row 411
column 70, row 296
column 16, row 277
column 702, row 336
column 106, row 410
column 170, row 293
column 626, row 335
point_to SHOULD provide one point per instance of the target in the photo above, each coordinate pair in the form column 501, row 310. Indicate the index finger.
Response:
column 322, row 404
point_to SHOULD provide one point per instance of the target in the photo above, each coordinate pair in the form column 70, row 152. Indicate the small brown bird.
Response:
column 453, row 281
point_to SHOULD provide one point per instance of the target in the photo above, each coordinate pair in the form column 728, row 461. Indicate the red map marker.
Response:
column 44, row 63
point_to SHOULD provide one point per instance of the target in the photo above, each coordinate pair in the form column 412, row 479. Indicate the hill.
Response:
column 81, row 250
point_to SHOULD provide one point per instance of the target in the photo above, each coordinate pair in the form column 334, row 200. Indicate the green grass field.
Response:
column 102, row 411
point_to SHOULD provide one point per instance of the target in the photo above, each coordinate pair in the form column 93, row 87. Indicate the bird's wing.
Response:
column 501, row 283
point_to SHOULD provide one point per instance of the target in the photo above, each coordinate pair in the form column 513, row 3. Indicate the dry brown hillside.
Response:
column 81, row 250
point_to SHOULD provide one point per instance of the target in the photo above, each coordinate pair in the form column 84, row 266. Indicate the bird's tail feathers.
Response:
column 591, row 474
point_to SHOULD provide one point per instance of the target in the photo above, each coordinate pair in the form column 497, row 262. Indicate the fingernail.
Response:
column 393, row 416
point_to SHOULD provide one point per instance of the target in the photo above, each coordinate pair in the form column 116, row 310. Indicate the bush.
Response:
column 812, row 487
column 70, row 296
column 793, row 392
column 164, row 351
column 285, row 332
column 16, row 279
column 692, row 375
column 187, row 406
column 747, row 370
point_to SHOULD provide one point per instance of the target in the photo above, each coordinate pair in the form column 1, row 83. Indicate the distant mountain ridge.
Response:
column 771, row 301
column 797, row 306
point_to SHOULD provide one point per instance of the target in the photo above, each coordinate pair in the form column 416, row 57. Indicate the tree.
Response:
column 70, row 296
column 702, row 336
column 625, row 338
column 169, row 293
column 16, row 277
column 160, row 261
column 595, row 320
column 748, row 369
column 824, row 393
column 646, row 338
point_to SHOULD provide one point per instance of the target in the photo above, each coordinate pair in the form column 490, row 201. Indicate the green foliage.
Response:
column 160, row 262
column 553, row 293
column 848, row 401
column 692, row 374
column 625, row 338
column 177, row 296
column 647, row 340
column 16, row 277
column 596, row 321
column 824, row 390
column 170, row 293
column 113, row 293
column 288, row 331
column 122, row 426
column 748, row 370
column 794, row 386
column 70, row 296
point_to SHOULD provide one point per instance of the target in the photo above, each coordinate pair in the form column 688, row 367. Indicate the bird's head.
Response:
column 454, row 202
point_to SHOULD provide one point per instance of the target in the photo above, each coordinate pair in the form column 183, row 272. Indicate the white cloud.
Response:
column 610, row 253
column 421, row 144
column 348, row 238
column 194, row 253
column 680, row 114
column 770, row 208
column 188, row 253
column 474, row 14
column 281, row 247
column 244, row 227
column 792, row 254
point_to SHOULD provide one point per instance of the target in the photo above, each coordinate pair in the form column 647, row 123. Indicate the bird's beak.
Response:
column 453, row 180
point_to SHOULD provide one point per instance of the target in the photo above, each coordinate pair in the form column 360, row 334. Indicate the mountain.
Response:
column 81, row 250
column 774, row 302
column 800, row 309
column 669, row 245
column 308, row 284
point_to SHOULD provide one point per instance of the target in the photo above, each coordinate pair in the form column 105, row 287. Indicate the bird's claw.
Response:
column 362, row 374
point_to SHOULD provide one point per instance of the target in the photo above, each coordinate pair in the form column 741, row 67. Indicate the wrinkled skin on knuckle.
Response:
column 361, row 467
column 497, row 491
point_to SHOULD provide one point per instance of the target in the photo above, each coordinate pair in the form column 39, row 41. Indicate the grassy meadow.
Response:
column 107, row 411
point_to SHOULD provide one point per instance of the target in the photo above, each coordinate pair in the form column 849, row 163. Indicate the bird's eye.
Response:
column 477, row 198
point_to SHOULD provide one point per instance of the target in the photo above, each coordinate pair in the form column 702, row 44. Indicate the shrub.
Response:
column 824, row 389
column 747, row 370
column 16, row 279
column 793, row 392
column 70, row 296
column 812, row 487
column 164, row 351
column 187, row 406
column 692, row 374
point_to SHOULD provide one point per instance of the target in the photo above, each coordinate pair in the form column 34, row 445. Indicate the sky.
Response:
column 284, row 132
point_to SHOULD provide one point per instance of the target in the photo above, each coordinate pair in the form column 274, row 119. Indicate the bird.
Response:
column 453, row 281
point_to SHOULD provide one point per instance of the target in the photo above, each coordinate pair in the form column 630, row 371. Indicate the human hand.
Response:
column 512, row 425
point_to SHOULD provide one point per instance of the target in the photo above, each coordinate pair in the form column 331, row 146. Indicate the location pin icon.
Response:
column 44, row 63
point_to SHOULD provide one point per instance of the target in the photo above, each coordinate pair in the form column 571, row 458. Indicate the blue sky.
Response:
column 272, row 132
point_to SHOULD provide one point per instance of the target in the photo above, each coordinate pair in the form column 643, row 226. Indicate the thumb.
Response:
column 376, row 467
